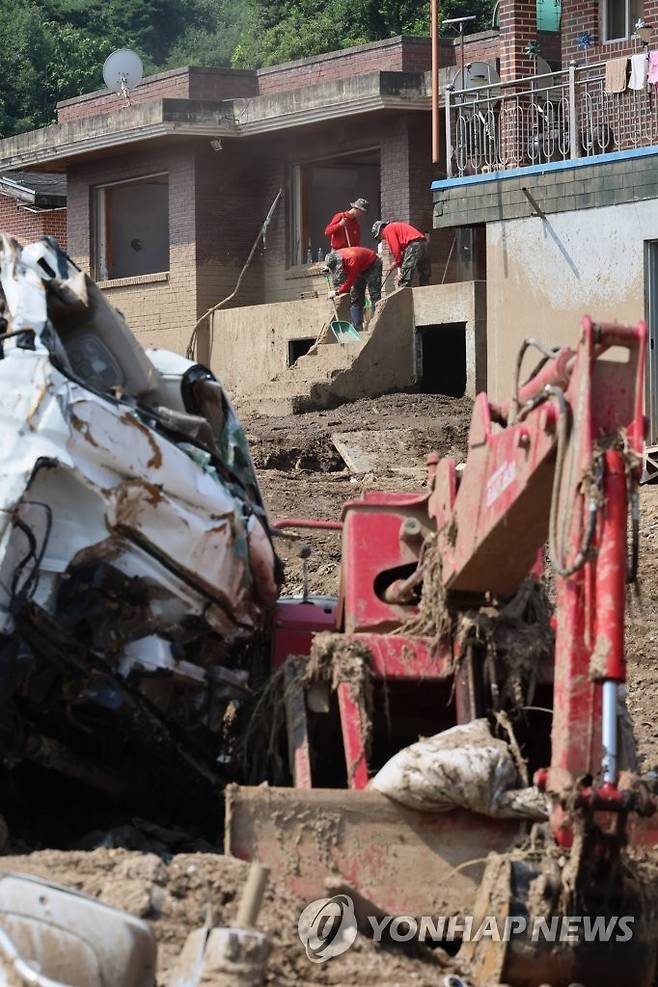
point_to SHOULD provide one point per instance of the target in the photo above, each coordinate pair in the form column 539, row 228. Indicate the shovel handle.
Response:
column 252, row 896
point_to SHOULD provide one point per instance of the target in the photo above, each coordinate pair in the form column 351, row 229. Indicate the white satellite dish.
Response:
column 554, row 94
column 476, row 74
column 123, row 71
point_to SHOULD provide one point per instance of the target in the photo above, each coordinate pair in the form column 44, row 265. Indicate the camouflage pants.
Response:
column 370, row 279
column 415, row 260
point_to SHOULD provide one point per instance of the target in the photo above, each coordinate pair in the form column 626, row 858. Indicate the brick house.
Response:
column 166, row 195
column 165, row 219
column 33, row 205
column 559, row 174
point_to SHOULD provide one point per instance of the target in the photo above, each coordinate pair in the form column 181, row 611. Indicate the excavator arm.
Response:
column 558, row 466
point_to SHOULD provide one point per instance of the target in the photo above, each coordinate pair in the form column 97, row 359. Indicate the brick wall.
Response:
column 394, row 54
column 175, row 84
column 481, row 47
column 518, row 27
column 583, row 15
column 406, row 175
column 230, row 209
column 161, row 313
column 28, row 226
column 183, row 83
column 222, row 83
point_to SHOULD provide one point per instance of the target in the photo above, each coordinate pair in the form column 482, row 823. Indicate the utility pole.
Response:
column 436, row 64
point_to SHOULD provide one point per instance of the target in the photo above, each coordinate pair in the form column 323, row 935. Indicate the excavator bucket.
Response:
column 403, row 861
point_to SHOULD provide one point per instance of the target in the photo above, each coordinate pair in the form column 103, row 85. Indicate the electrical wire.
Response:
column 528, row 343
column 190, row 352
column 32, row 581
column 563, row 443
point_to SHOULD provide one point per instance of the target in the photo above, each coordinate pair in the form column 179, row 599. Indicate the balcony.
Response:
column 555, row 117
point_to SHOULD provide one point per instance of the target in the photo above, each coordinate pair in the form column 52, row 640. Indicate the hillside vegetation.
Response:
column 54, row 49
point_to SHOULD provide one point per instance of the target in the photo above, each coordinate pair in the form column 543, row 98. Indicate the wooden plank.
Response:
column 402, row 860
column 354, row 457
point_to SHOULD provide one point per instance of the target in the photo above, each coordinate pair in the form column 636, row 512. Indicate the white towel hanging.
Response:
column 639, row 71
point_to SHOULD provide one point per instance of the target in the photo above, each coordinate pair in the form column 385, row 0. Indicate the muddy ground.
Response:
column 302, row 474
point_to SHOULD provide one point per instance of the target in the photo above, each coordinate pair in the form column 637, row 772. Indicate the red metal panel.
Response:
column 591, row 601
column 398, row 657
column 295, row 624
column 406, row 862
column 608, row 660
column 371, row 546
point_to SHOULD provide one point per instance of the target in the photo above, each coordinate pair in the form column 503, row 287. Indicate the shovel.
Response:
column 343, row 331
column 228, row 957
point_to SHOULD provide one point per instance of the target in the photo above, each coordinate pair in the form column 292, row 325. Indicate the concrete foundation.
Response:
column 250, row 347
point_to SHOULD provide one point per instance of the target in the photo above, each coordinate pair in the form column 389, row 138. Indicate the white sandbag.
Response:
column 464, row 767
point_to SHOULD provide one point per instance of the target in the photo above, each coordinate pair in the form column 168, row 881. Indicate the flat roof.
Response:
column 36, row 187
column 51, row 148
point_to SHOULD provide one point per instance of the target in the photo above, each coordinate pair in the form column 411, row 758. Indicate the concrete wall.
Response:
column 544, row 275
column 250, row 344
column 464, row 302
column 589, row 183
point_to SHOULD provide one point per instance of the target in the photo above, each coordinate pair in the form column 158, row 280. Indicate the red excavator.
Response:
column 444, row 618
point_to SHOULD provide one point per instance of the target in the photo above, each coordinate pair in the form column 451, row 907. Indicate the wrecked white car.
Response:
column 135, row 554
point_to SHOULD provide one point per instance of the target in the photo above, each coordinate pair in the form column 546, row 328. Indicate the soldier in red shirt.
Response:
column 410, row 250
column 344, row 230
column 353, row 269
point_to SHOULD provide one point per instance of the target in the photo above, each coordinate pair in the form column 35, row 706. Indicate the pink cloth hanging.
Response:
column 653, row 67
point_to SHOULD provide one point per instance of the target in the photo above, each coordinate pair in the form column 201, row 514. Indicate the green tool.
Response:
column 343, row 331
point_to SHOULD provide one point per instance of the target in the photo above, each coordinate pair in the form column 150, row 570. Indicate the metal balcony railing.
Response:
column 554, row 117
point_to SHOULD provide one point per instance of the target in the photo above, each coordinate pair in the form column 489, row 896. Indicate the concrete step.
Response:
column 328, row 357
column 276, row 406
column 300, row 388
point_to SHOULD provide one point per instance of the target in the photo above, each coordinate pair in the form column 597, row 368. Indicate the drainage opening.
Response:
column 299, row 347
column 441, row 354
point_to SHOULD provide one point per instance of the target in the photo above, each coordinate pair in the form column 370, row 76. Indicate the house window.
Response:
column 322, row 188
column 132, row 228
column 618, row 18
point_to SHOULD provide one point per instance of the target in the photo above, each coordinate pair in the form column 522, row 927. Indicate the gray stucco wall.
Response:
column 544, row 275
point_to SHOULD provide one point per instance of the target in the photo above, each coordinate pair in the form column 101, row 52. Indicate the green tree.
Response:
column 277, row 32
column 211, row 34
column 23, row 98
column 54, row 49
column 75, row 63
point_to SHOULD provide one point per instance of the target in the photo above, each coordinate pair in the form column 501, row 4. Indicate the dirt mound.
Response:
column 302, row 474
column 428, row 422
column 174, row 897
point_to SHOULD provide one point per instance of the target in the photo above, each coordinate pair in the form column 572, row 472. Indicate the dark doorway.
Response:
column 299, row 347
column 323, row 187
column 441, row 352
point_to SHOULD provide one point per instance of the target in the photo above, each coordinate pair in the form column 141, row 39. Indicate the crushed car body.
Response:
column 136, row 566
